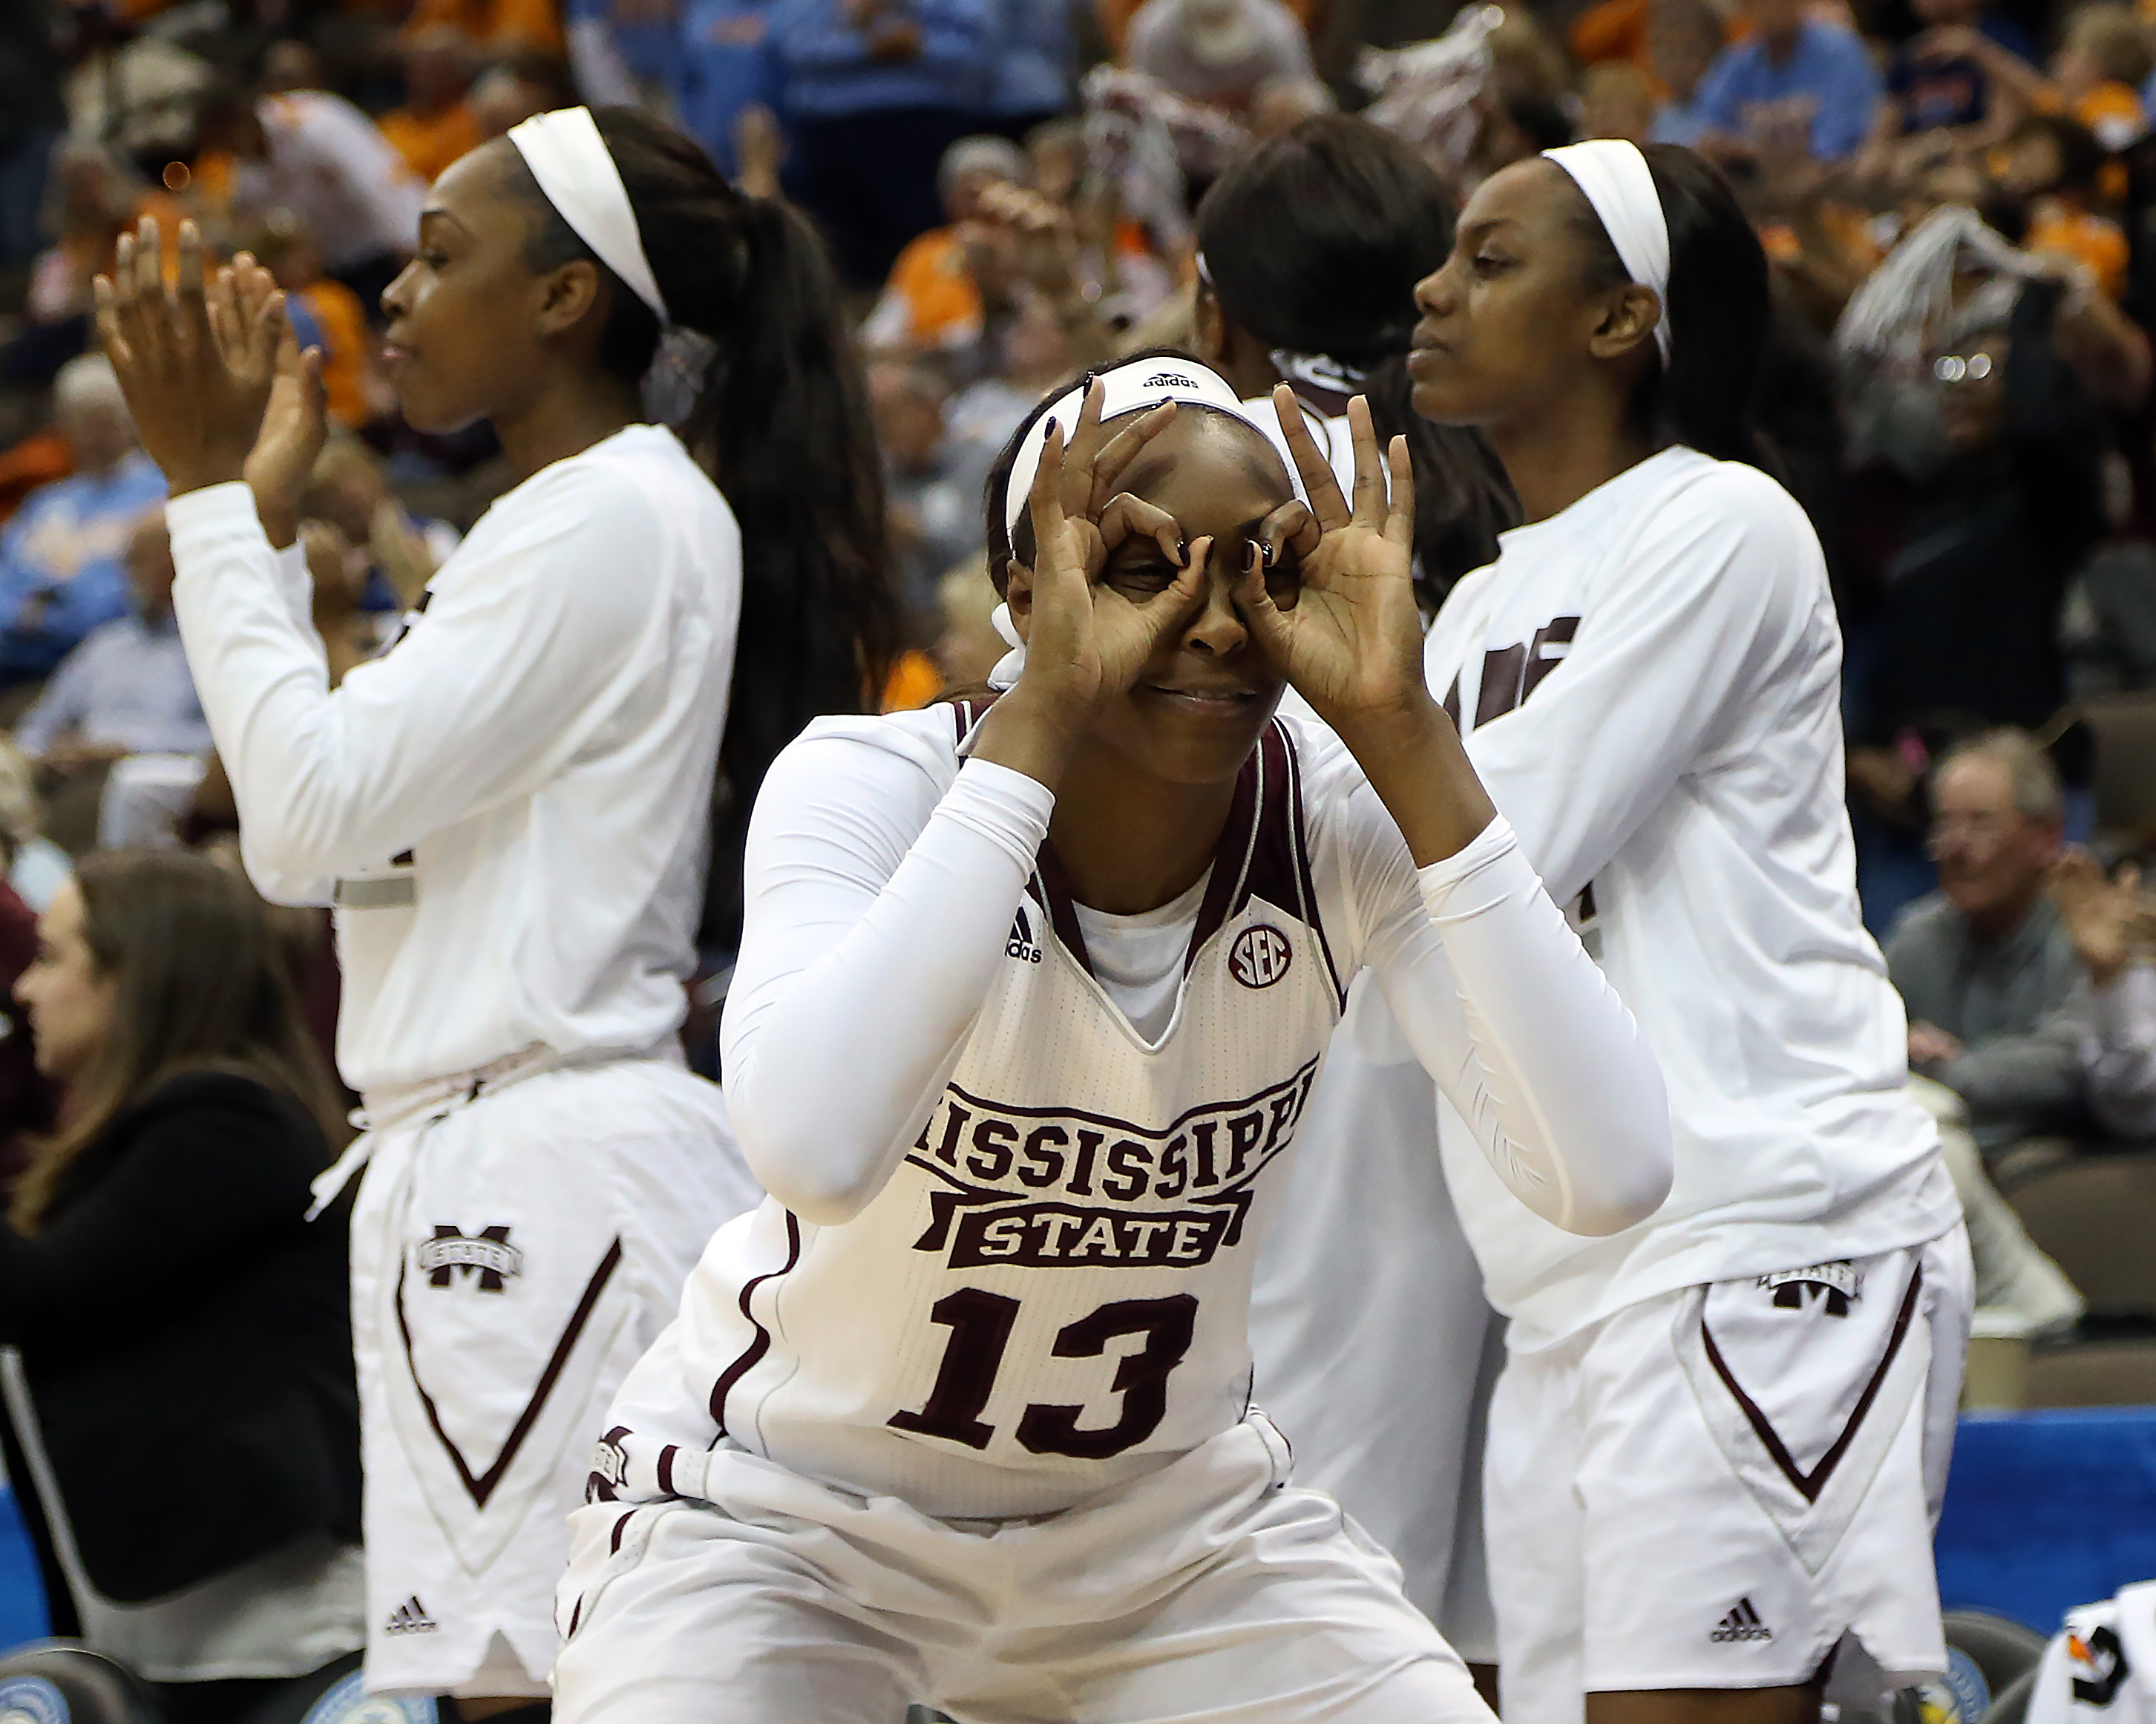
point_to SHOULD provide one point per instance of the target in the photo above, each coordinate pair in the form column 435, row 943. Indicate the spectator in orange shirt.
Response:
column 499, row 27
column 436, row 124
column 2103, row 59
column 931, row 302
column 2054, row 163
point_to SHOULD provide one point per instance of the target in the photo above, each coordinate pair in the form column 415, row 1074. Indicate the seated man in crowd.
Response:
column 60, row 571
column 1984, row 964
column 2005, row 1040
column 931, row 303
column 119, row 725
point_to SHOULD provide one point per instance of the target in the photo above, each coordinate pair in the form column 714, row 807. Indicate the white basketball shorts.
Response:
column 1720, row 1486
column 1210, row 1590
column 511, row 1260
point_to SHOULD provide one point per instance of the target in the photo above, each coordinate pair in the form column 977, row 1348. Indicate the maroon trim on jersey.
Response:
column 620, row 1527
column 1050, row 888
column 761, row 1343
column 666, row 1468
column 575, row 1616
column 1810, row 1484
column 1249, row 813
column 1263, row 852
column 483, row 1486
column 1305, row 888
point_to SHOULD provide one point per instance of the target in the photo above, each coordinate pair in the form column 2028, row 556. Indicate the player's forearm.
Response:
column 1414, row 761
column 829, row 1063
column 1537, row 1052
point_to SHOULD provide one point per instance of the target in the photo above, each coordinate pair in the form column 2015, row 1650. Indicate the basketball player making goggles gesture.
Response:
column 1030, row 996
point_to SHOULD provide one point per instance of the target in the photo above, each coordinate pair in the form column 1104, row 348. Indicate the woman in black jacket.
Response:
column 182, row 1424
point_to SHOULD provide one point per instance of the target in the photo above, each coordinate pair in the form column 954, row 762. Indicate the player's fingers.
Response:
column 313, row 392
column 149, row 271
column 1127, row 516
column 222, row 300
column 1401, row 511
column 137, row 316
column 192, row 305
column 109, row 335
column 1177, row 603
column 1268, row 626
column 1318, row 483
column 263, row 336
column 252, row 283
column 1369, row 501
column 1077, row 470
column 1044, row 502
column 1290, row 527
column 1122, row 448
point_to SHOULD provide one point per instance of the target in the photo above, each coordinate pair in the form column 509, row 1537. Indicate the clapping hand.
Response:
column 196, row 365
column 2107, row 918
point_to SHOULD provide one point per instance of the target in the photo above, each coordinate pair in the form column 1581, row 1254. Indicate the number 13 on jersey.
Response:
column 980, row 1324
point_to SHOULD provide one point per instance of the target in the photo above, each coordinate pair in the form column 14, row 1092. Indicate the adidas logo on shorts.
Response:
column 410, row 1617
column 1741, row 1623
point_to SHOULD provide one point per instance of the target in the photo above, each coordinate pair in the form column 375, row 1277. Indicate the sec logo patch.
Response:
column 1260, row 956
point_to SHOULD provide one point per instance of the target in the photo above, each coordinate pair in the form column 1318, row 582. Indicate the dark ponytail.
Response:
column 1314, row 243
column 1720, row 310
column 780, row 420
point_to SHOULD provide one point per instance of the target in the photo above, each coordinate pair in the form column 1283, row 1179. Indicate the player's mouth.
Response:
column 395, row 356
column 1206, row 702
column 1427, row 350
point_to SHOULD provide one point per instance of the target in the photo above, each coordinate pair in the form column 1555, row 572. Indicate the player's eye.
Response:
column 1140, row 571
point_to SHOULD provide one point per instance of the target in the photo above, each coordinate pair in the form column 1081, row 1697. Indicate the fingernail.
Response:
column 1266, row 553
column 1049, row 430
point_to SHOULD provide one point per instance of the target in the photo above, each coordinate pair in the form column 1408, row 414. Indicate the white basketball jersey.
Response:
column 1051, row 1294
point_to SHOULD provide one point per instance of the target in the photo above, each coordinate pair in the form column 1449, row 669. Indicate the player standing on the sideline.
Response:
column 1028, row 1002
column 1366, row 1320
column 1752, row 1394
column 511, row 808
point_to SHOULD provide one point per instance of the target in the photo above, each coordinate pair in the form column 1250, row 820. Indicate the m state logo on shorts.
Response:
column 1260, row 956
column 1835, row 1285
column 487, row 1253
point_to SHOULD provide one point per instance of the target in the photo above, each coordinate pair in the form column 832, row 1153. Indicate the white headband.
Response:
column 569, row 159
column 1620, row 186
column 1131, row 387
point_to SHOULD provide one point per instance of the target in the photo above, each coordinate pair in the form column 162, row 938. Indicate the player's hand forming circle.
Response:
column 197, row 364
column 1352, row 641
column 1087, row 641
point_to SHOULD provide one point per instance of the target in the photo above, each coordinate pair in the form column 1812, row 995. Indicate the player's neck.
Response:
column 1559, row 456
column 563, row 419
column 1130, row 842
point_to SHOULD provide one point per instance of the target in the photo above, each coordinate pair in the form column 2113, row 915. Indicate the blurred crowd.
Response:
column 1957, row 197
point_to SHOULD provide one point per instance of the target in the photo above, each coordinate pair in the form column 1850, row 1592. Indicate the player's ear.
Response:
column 1017, row 594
